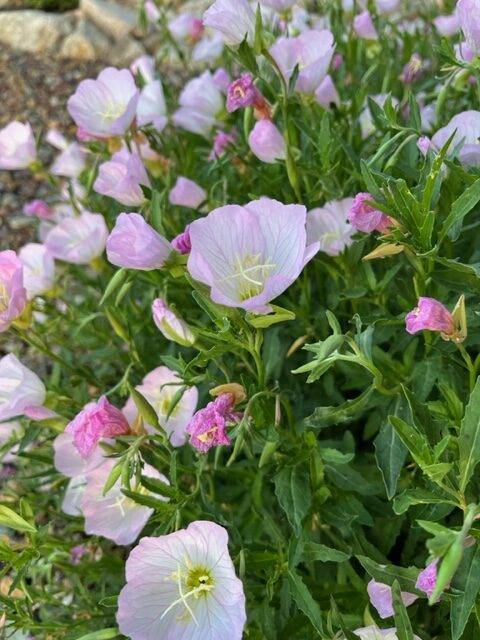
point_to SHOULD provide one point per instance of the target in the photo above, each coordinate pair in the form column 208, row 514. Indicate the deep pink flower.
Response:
column 38, row 208
column 13, row 295
column 365, row 218
column 207, row 428
column 96, row 421
column 427, row 579
column 182, row 242
column 77, row 552
column 242, row 92
column 430, row 314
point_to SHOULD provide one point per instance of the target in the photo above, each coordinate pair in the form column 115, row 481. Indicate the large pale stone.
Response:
column 34, row 31
column 125, row 52
column 115, row 20
column 86, row 43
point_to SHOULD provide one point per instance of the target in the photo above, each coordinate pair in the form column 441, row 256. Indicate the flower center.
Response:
column 199, row 580
column 250, row 275
column 4, row 298
column 113, row 110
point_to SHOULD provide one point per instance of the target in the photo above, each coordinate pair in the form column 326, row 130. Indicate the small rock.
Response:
column 125, row 52
column 33, row 31
column 115, row 20
column 85, row 43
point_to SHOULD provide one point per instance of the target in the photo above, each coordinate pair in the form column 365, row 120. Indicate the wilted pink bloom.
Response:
column 17, row 146
column 171, row 325
column 465, row 128
column 374, row 633
column 151, row 11
column 233, row 19
column 78, row 239
column 182, row 242
column 113, row 515
column 221, row 141
column 248, row 255
column 13, row 295
column 366, row 218
column 134, row 244
column 186, row 26
column 38, row 269
column 121, row 177
column 326, row 93
column 96, row 421
column 208, row 426
column 38, row 208
column 447, row 25
column 151, row 107
column 200, row 102
column 106, row 106
column 364, row 27
column 187, row 193
column 160, row 388
column 468, row 12
column 221, row 79
column 329, row 226
column 182, row 584
column 208, row 49
column 145, row 66
column 381, row 598
column 22, row 391
column 432, row 315
column 243, row 93
column 427, row 579
column 266, row 142
column 412, row 71
column 69, row 462
column 312, row 51
column 77, row 552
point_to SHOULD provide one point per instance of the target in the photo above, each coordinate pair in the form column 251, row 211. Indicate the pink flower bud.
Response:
column 187, row 193
column 13, row 295
column 365, row 218
column 17, row 146
column 96, row 421
column 327, row 94
column 337, row 61
column 364, row 27
column 38, row 208
column 134, row 244
column 182, row 242
column 172, row 327
column 427, row 579
column 430, row 314
column 266, row 142
column 207, row 428
column 381, row 598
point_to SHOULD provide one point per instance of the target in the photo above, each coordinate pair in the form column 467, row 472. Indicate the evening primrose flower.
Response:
column 21, row 391
column 17, row 146
column 266, row 142
column 13, row 295
column 38, row 269
column 78, row 239
column 106, row 106
column 364, row 27
column 134, row 244
column 187, row 193
column 374, row 633
column 40, row 209
column 364, row 217
column 171, row 325
column 427, row 579
column 207, row 428
column 248, row 255
column 151, row 107
column 232, row 19
column 200, row 102
column 468, row 12
column 381, row 598
column 465, row 128
column 113, row 515
column 122, row 178
column 431, row 315
column 330, row 227
column 182, row 585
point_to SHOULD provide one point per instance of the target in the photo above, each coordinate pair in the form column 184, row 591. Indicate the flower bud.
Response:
column 171, row 326
column 364, row 27
column 266, row 142
column 136, row 245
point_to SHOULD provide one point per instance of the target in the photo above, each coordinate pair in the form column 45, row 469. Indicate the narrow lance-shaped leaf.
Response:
column 469, row 439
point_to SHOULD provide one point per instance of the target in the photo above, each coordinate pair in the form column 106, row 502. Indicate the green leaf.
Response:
column 292, row 488
column 313, row 551
column 412, row 497
column 390, row 454
column 145, row 409
column 114, row 475
column 9, row 518
column 149, row 501
column 406, row 577
column 118, row 279
column 402, row 621
column 460, row 208
column 324, row 417
column 415, row 442
column 469, row 438
column 304, row 600
column 461, row 605
column 263, row 321
column 101, row 634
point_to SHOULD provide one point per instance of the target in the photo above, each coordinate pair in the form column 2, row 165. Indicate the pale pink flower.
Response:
column 327, row 94
column 78, row 239
column 71, row 160
column 21, row 391
column 39, row 209
column 171, row 325
column 468, row 12
column 366, row 218
column 38, row 269
column 465, row 128
column 13, row 295
column 374, row 633
column 387, row 6
column 151, row 107
column 17, row 146
column 182, row 585
column 364, row 27
column 427, row 579
column 200, row 102
column 208, row 426
column 233, row 19
column 221, row 141
column 69, row 462
column 72, row 498
column 145, row 66
column 151, row 11
column 121, row 178
column 266, row 142
column 187, row 193
column 159, row 388
column 106, row 106
column 182, row 242
column 329, row 226
column 279, row 5
column 97, row 421
column 312, row 51
column 113, row 515
column 186, row 26
column 463, row 53
column 134, row 244
column 208, row 49
column 447, row 25
column 222, row 79
column 432, row 315
column 381, row 598
column 249, row 255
